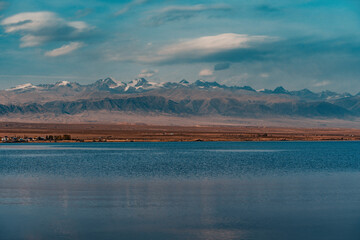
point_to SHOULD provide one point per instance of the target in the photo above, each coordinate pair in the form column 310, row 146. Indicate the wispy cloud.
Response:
column 321, row 84
column 129, row 6
column 147, row 73
column 221, row 66
column 206, row 73
column 37, row 28
column 65, row 49
column 176, row 13
column 267, row 9
column 201, row 48
column 83, row 12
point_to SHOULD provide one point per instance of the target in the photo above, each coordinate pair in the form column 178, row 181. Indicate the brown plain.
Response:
column 154, row 133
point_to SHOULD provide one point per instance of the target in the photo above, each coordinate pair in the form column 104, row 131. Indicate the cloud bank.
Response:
column 37, row 28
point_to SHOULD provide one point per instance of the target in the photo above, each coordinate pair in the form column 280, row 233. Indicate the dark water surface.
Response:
column 217, row 190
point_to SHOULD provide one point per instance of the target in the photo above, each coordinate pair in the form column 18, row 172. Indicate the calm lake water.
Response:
column 198, row 190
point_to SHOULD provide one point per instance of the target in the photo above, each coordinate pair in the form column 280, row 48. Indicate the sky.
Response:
column 296, row 44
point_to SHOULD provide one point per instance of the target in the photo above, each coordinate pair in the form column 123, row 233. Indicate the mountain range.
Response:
column 200, row 98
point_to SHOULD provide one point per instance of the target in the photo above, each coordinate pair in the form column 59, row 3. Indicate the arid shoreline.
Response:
column 153, row 133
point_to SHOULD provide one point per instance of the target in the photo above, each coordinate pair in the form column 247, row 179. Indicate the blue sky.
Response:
column 297, row 44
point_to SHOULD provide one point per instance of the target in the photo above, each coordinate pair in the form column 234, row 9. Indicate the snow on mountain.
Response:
column 184, row 82
column 329, row 95
column 142, row 84
column 139, row 82
column 118, row 85
column 109, row 82
column 199, row 97
column 204, row 84
column 111, row 86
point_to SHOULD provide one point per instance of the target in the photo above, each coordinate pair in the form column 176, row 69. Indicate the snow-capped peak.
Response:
column 105, row 83
column 184, row 82
column 142, row 83
column 108, row 80
column 138, row 82
column 118, row 84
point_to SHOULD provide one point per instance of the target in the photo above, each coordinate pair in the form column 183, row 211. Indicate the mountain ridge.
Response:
column 142, row 85
column 200, row 98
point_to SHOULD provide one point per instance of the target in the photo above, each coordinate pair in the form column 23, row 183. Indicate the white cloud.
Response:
column 321, row 84
column 129, row 6
column 65, row 49
column 32, row 41
column 212, row 44
column 146, row 73
column 175, row 13
column 264, row 75
column 206, row 73
column 38, row 28
column 205, row 46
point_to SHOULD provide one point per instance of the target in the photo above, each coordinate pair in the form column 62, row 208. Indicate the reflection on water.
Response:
column 181, row 191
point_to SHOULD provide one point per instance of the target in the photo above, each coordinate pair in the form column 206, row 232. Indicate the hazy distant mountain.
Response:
column 351, row 103
column 306, row 94
column 200, row 98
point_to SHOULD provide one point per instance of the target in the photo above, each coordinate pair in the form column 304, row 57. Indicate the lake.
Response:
column 192, row 190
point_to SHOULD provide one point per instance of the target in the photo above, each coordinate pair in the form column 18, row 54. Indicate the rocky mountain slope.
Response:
column 200, row 98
